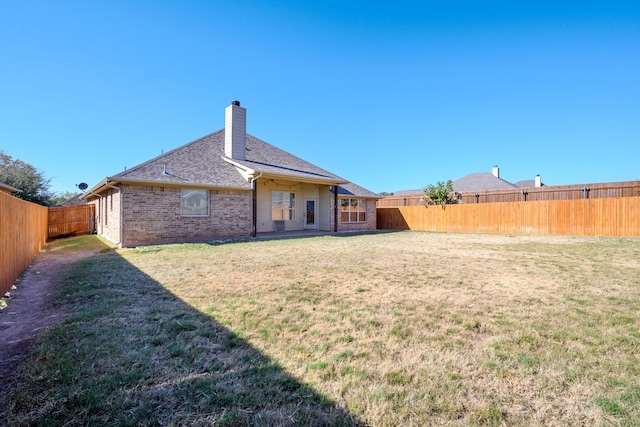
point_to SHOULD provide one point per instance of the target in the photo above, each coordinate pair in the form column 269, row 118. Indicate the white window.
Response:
column 353, row 210
column 283, row 206
column 195, row 202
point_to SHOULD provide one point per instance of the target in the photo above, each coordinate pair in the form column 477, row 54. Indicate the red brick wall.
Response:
column 369, row 224
column 153, row 215
column 107, row 209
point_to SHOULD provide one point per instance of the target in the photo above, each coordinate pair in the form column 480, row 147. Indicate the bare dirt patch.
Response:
column 29, row 312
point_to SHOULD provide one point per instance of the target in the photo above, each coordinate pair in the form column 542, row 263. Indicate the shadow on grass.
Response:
column 133, row 353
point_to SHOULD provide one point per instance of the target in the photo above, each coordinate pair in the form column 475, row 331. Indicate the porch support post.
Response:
column 254, row 209
column 335, row 208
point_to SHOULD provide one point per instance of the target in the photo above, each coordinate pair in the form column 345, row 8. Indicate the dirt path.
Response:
column 28, row 312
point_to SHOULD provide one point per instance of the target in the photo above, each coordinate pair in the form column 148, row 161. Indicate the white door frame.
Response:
column 313, row 226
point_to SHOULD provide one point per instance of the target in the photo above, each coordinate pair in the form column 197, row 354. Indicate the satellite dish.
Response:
column 83, row 186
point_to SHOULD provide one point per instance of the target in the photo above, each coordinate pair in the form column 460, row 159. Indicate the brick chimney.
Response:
column 496, row 171
column 235, row 131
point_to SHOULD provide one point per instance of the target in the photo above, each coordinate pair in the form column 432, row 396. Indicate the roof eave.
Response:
column 105, row 183
column 284, row 176
column 287, row 177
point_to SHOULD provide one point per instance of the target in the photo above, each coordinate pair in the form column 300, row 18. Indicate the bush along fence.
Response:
column 581, row 217
column 23, row 232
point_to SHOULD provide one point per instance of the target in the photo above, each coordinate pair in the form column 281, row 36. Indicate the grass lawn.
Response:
column 407, row 328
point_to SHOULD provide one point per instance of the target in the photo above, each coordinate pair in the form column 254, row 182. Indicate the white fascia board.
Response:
column 246, row 172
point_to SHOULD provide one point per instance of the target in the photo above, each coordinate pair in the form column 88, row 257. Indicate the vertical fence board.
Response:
column 581, row 217
column 65, row 220
column 23, row 232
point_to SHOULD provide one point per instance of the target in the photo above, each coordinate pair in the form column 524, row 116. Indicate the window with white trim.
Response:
column 353, row 210
column 283, row 206
column 194, row 202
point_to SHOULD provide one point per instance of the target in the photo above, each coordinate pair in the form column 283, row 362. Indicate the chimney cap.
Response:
column 234, row 102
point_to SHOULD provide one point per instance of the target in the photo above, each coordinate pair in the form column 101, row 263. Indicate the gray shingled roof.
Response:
column 202, row 163
column 198, row 163
column 73, row 201
column 480, row 181
column 351, row 189
column 408, row 192
column 268, row 159
column 527, row 183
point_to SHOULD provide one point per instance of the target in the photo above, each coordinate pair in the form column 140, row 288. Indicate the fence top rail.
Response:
column 543, row 189
column 61, row 208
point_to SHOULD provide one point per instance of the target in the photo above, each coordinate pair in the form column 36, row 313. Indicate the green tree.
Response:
column 25, row 177
column 63, row 197
column 440, row 194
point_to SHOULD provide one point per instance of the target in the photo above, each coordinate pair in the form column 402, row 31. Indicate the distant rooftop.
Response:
column 479, row 181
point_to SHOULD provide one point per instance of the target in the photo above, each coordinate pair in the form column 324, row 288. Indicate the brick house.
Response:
column 226, row 184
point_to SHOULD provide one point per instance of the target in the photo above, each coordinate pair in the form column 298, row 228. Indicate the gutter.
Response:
column 248, row 171
column 335, row 208
column 105, row 183
column 322, row 181
column 93, row 190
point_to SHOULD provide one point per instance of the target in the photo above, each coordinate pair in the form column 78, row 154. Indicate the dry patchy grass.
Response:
column 403, row 328
column 408, row 328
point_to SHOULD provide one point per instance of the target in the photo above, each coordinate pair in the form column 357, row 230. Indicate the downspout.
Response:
column 119, row 212
column 254, row 203
column 335, row 208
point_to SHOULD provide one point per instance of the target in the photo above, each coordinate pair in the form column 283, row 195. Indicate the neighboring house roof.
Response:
column 6, row 188
column 73, row 201
column 526, row 183
column 202, row 163
column 408, row 193
column 480, row 181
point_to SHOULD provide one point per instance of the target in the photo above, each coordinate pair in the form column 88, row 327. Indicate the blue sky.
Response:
column 391, row 95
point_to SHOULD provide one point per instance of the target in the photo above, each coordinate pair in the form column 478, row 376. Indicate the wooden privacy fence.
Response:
column 23, row 232
column 528, row 194
column 582, row 217
column 65, row 220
